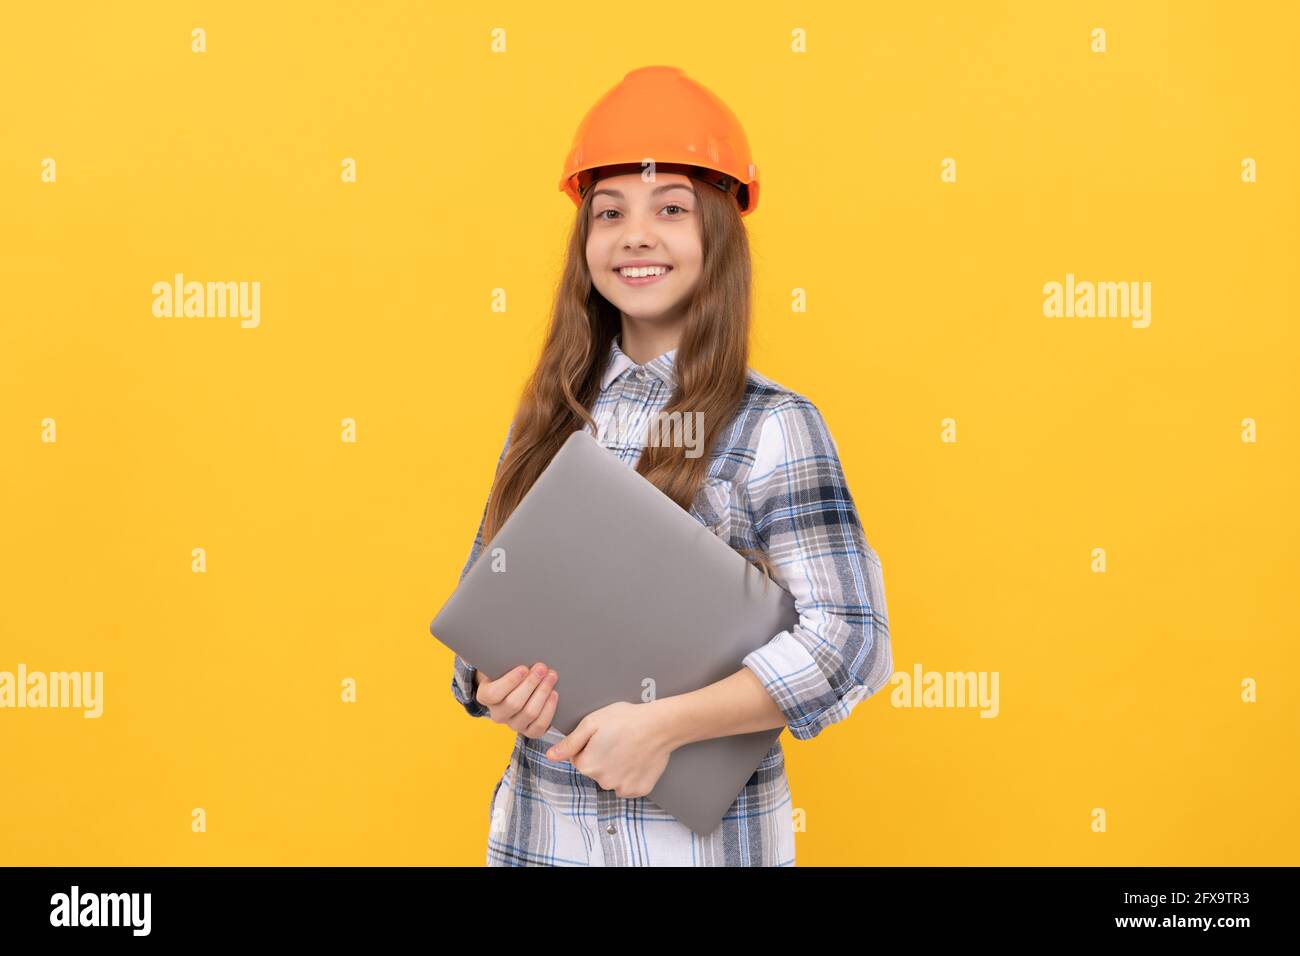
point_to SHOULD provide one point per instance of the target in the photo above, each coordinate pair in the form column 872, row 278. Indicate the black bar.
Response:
column 817, row 904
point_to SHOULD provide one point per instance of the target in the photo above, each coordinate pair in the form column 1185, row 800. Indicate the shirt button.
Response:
column 640, row 375
column 611, row 829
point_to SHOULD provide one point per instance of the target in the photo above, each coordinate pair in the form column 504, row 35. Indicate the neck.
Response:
column 642, row 341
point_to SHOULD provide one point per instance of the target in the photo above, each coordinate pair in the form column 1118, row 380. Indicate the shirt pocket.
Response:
column 712, row 506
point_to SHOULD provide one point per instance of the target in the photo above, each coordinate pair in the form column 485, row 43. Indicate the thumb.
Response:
column 569, row 747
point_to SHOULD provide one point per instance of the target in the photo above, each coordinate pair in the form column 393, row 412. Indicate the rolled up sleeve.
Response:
column 804, row 518
column 462, row 688
column 462, row 678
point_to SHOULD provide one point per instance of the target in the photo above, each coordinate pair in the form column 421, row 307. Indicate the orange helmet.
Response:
column 658, row 113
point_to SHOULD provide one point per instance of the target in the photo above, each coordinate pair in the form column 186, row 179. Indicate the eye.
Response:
column 601, row 215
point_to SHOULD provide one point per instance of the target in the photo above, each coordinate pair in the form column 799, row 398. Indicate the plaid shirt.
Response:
column 774, row 483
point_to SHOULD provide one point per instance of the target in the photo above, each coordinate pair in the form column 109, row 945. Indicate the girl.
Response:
column 652, row 317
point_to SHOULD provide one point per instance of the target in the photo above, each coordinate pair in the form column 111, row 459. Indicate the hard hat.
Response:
column 659, row 113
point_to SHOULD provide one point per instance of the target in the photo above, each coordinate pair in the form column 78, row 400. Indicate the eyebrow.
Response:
column 655, row 191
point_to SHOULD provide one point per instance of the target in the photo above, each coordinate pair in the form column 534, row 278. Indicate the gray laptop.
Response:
column 602, row 576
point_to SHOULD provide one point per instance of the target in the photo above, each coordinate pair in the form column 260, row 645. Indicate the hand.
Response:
column 522, row 699
column 623, row 747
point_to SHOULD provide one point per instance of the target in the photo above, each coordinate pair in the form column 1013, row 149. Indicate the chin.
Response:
column 648, row 313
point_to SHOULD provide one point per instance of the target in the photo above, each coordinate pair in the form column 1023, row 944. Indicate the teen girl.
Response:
column 652, row 315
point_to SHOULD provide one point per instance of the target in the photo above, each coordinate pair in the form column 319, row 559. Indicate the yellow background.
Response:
column 327, row 560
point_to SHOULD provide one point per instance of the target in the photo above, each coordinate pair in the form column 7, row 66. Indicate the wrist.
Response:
column 673, row 721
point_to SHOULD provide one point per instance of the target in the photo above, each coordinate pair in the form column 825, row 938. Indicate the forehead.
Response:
column 631, row 183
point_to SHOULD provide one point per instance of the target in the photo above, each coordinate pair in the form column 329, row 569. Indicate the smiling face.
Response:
column 654, row 228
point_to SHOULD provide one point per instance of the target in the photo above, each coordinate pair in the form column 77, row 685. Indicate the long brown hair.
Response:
column 711, row 365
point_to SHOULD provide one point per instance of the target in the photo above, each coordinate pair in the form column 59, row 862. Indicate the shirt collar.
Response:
column 661, row 366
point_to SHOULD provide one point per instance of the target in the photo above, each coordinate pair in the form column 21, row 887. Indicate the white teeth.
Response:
column 640, row 272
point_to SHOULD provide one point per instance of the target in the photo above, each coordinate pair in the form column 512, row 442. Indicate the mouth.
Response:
column 642, row 275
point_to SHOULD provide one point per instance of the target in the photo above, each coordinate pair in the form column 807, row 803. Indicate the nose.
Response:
column 638, row 230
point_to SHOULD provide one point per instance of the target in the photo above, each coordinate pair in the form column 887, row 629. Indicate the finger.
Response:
column 543, row 723
column 533, row 708
column 492, row 692
column 518, row 698
column 574, row 742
